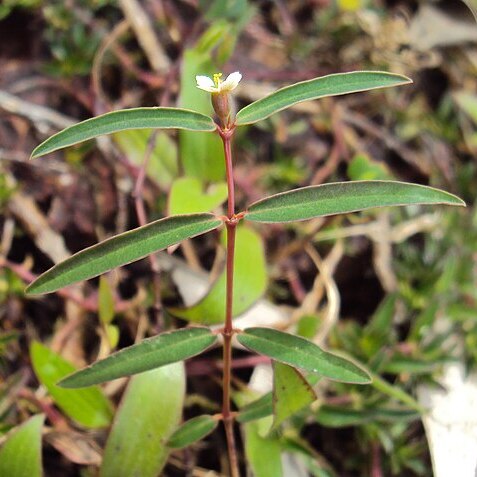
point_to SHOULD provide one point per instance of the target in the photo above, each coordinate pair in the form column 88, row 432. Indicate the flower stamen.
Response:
column 217, row 80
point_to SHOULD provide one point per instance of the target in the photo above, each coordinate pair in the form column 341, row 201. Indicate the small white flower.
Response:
column 216, row 85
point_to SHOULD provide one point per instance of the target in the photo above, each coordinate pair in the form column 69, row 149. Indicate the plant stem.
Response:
column 228, row 331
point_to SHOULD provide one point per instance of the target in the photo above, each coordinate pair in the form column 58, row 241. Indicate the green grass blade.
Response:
column 20, row 456
column 150, row 353
column 135, row 118
column 192, row 431
column 344, row 197
column 331, row 85
column 301, row 353
column 122, row 249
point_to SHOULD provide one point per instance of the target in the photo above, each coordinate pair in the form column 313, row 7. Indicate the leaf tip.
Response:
column 69, row 382
column 30, row 289
column 36, row 153
column 35, row 288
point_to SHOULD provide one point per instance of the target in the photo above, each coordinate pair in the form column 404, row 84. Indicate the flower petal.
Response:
column 233, row 79
column 206, row 83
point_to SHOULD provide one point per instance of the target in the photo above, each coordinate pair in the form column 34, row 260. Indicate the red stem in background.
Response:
column 142, row 219
column 228, row 331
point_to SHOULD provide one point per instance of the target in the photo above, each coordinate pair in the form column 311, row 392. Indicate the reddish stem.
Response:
column 228, row 331
column 227, row 140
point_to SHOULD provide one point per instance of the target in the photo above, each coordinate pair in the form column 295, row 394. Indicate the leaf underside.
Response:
column 331, row 85
column 150, row 411
column 135, row 118
column 301, row 353
column 122, row 249
column 344, row 197
column 148, row 354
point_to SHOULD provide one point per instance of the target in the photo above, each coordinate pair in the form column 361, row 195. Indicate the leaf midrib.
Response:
column 257, row 209
column 142, row 356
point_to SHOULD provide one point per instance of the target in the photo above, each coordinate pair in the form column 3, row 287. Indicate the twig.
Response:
column 106, row 44
column 146, row 37
column 326, row 268
column 35, row 223
column 382, row 253
column 361, row 122
column 141, row 214
column 89, row 303
column 41, row 117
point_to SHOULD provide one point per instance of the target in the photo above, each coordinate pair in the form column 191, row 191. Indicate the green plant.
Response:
column 292, row 390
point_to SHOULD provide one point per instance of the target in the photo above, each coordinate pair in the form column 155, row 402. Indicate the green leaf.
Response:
column 20, row 456
column 88, row 407
column 301, row 353
column 188, row 197
column 344, row 197
column 409, row 365
column 261, row 407
column 263, row 452
column 337, row 416
column 468, row 103
column 291, row 392
column 396, row 392
column 105, row 301
column 250, row 282
column 363, row 168
column 150, row 411
column 340, row 416
column 122, row 249
column 308, row 326
column 381, row 321
column 148, row 354
column 192, row 431
column 331, row 85
column 136, row 118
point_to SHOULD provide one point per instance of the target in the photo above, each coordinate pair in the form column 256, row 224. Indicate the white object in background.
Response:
column 451, row 424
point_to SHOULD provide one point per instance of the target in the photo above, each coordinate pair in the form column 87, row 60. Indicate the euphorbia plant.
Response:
column 287, row 351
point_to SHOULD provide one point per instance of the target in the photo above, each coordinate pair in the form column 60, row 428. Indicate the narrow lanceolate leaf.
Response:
column 148, row 354
column 20, row 456
column 344, row 197
column 192, row 431
column 301, row 353
column 123, row 249
column 136, row 118
column 291, row 392
column 331, row 85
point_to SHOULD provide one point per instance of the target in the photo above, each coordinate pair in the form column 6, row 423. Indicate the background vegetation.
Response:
column 395, row 288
